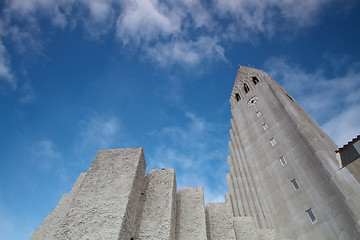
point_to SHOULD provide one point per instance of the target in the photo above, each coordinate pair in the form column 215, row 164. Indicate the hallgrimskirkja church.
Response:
column 287, row 180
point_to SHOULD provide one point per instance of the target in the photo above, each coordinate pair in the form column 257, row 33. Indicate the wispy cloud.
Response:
column 44, row 154
column 154, row 26
column 345, row 126
column 327, row 99
column 186, row 53
column 267, row 16
column 99, row 131
column 147, row 20
column 197, row 152
column 5, row 71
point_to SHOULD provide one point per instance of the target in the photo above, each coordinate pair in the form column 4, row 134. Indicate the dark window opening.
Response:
column 289, row 97
column 255, row 80
column 295, row 184
column 237, row 97
column 311, row 215
column 246, row 88
column 282, row 160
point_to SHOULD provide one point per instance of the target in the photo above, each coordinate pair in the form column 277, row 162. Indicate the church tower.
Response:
column 283, row 166
column 287, row 180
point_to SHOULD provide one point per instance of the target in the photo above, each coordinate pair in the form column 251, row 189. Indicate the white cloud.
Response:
column 186, row 53
column 332, row 101
column 345, row 126
column 44, row 154
column 97, row 17
column 176, row 32
column 268, row 16
column 5, row 71
column 99, row 131
column 31, row 9
column 147, row 20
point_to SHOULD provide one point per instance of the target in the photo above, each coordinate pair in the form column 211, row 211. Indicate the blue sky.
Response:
column 77, row 76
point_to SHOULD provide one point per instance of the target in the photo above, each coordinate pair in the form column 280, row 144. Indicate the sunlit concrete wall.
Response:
column 115, row 200
column 268, row 125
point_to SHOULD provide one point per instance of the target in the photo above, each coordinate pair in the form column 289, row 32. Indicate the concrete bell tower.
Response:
column 285, row 182
column 283, row 166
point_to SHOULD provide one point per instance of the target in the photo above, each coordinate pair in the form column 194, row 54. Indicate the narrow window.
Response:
column 273, row 142
column 237, row 97
column 295, row 184
column 258, row 114
column 289, row 97
column 246, row 88
column 311, row 215
column 265, row 126
column 255, row 80
column 282, row 160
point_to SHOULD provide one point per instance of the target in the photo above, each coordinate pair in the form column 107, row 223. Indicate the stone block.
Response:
column 158, row 216
column 219, row 221
column 53, row 220
column 106, row 202
column 245, row 228
column 191, row 222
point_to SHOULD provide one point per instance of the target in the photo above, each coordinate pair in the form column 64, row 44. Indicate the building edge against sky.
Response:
column 284, row 183
column 283, row 167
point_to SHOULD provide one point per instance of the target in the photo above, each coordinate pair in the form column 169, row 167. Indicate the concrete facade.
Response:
column 283, row 167
column 284, row 183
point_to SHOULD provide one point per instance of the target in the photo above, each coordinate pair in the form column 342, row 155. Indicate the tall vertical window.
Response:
column 246, row 88
column 311, row 215
column 265, row 126
column 237, row 97
column 273, row 142
column 255, row 80
column 282, row 160
column 289, row 97
column 295, row 184
column 258, row 113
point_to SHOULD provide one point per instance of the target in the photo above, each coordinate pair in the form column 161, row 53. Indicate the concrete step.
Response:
column 106, row 203
column 158, row 217
column 52, row 222
column 245, row 228
column 219, row 222
column 191, row 221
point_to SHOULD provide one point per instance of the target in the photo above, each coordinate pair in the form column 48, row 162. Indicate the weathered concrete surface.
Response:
column 52, row 222
column 245, row 228
column 191, row 222
column 219, row 221
column 267, row 234
column 107, row 197
column 332, row 195
column 159, row 209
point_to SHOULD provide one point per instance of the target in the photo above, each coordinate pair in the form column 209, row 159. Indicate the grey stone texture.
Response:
column 158, row 214
column 191, row 221
column 115, row 200
column 219, row 221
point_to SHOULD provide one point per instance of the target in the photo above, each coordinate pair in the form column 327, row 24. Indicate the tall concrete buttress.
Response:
column 285, row 182
column 283, row 167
